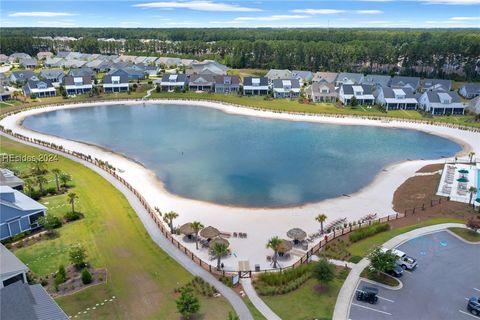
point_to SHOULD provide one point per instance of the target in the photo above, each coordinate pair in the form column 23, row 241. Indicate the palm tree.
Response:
column 472, row 190
column 219, row 250
column 28, row 185
column 274, row 244
column 197, row 226
column 471, row 154
column 321, row 218
column 64, row 178
column 56, row 172
column 71, row 200
column 169, row 217
column 39, row 168
column 41, row 180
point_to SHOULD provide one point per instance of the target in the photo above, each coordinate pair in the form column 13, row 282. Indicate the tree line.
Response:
column 433, row 53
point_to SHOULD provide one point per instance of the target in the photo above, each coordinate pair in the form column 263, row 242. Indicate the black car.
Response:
column 367, row 294
column 473, row 305
column 396, row 271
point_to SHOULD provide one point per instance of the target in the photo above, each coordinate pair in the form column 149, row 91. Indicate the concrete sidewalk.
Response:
column 342, row 306
column 257, row 301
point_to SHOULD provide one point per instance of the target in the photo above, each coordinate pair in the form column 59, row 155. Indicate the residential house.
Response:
column 375, row 80
column 55, row 62
column 152, row 71
column 73, row 63
column 3, row 58
column 17, row 56
column 227, row 84
column 201, row 82
column 253, row 86
column 436, row 85
column 77, row 84
column 82, row 72
column 139, row 60
column 8, row 178
column 99, row 65
column 172, row 82
column 115, row 83
column 168, row 62
column 362, row 93
column 208, row 67
column 54, row 75
column 126, row 58
column 188, row 62
column 5, row 93
column 328, row 77
column 130, row 72
column 474, row 105
column 28, row 63
column 149, row 61
column 19, row 212
column 394, row 99
column 273, row 74
column 62, row 54
column 303, row 77
column 400, row 82
column 39, row 88
column 11, row 269
column 321, row 92
column 348, row 78
column 4, row 80
column 43, row 55
column 470, row 90
column 22, row 76
column 286, row 88
column 441, row 103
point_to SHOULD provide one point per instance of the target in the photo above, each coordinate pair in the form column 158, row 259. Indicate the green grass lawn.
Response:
column 255, row 313
column 362, row 247
column 466, row 234
column 306, row 302
column 140, row 275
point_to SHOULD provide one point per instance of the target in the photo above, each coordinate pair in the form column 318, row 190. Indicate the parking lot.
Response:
column 448, row 273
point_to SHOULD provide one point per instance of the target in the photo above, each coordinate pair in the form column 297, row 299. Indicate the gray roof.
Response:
column 325, row 77
column 220, row 79
column 7, row 177
column 19, row 55
column 32, row 84
column 474, row 105
column 278, row 74
column 389, row 93
column 315, row 89
column 348, row 88
column 201, row 79
column 434, row 97
column 373, row 79
column 247, row 81
column 23, row 75
column 15, row 199
column 278, row 83
column 400, row 82
column 28, row 62
column 345, row 76
column 472, row 88
column 51, row 73
column 179, row 77
column 9, row 263
column 304, row 75
column 81, row 72
column 108, row 78
column 70, row 80
column 436, row 84
column 20, row 301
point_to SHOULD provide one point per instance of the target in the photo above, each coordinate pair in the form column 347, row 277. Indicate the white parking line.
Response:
column 468, row 314
column 385, row 299
column 368, row 308
column 476, row 289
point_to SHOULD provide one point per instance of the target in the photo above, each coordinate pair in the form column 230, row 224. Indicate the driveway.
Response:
column 446, row 276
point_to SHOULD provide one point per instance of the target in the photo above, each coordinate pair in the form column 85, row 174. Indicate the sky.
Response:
column 241, row 13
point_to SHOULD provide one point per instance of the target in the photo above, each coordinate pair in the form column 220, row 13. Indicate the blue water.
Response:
column 209, row 155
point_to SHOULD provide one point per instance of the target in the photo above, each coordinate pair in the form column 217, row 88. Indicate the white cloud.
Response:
column 451, row 2
column 272, row 18
column 58, row 24
column 369, row 11
column 465, row 18
column 44, row 14
column 198, row 6
column 318, row 11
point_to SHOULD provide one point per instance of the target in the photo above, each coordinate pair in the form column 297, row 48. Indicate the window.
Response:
column 18, row 277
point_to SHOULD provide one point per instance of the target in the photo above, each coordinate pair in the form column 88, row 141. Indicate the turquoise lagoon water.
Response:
column 209, row 155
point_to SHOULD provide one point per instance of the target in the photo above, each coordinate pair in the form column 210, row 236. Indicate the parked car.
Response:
column 473, row 306
column 368, row 294
column 396, row 271
column 404, row 261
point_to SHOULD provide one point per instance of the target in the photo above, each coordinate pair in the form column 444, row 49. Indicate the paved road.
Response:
column 234, row 299
column 447, row 275
column 347, row 291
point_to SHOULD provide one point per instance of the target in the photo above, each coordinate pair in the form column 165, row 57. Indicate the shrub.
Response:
column 51, row 191
column 86, row 276
column 369, row 231
column 77, row 255
column 61, row 275
column 324, row 271
column 72, row 216
column 283, row 277
column 355, row 259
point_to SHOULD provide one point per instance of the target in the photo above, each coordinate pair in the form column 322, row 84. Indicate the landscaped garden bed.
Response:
column 467, row 234
column 381, row 277
column 75, row 283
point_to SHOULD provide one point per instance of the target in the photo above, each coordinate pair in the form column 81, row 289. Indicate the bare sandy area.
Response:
column 259, row 224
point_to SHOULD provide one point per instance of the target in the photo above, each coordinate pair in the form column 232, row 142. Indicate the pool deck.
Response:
column 260, row 224
column 456, row 180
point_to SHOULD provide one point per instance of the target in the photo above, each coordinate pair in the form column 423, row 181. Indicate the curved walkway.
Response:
column 257, row 301
column 347, row 291
column 234, row 299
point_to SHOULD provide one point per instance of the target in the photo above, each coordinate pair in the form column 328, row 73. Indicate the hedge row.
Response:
column 369, row 231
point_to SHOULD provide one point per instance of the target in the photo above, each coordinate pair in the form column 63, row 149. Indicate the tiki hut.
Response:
column 284, row 247
column 187, row 229
column 218, row 240
column 296, row 234
column 209, row 232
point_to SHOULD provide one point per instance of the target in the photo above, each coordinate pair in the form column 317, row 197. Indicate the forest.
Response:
column 424, row 52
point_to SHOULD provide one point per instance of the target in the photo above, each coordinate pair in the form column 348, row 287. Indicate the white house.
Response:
column 78, row 85
column 394, row 99
column 39, row 88
column 170, row 82
column 441, row 103
column 253, row 86
column 286, row 88
column 115, row 83
column 362, row 93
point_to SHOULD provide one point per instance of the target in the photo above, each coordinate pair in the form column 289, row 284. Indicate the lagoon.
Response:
column 206, row 154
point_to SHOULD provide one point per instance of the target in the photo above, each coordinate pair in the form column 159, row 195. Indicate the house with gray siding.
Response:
column 172, row 82
column 201, row 82
column 227, row 84
column 82, row 72
column 19, row 212
column 77, row 85
column 436, row 85
column 395, row 99
column 321, row 92
column 362, row 93
column 28, row 63
column 39, row 88
column 328, row 77
column 22, row 76
column 255, row 86
column 17, row 56
column 274, row 74
column 54, row 75
column 302, row 76
column 400, row 82
column 115, row 83
column 286, row 88
column 470, row 90
column 376, row 80
column 439, row 103
column 348, row 78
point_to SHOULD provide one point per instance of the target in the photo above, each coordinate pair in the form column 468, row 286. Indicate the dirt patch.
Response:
column 431, row 168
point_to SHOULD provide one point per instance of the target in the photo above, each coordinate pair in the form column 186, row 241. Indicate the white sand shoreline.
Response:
column 259, row 223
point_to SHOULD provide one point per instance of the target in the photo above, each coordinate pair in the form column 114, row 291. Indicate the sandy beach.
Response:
column 259, row 224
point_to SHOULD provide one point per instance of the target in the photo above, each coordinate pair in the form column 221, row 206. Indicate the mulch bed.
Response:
column 431, row 168
column 74, row 281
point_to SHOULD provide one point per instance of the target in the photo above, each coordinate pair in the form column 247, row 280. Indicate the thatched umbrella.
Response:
column 219, row 240
column 285, row 246
column 296, row 234
column 209, row 232
column 187, row 229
